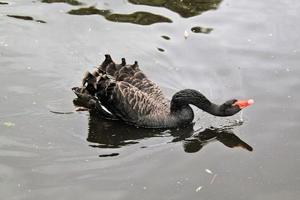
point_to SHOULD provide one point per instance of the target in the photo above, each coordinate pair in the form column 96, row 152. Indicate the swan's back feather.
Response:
column 134, row 76
column 132, row 105
column 127, row 93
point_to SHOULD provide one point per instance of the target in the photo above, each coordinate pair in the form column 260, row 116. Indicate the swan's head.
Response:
column 233, row 106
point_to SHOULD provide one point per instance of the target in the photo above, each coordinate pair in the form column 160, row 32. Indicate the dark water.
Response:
column 241, row 49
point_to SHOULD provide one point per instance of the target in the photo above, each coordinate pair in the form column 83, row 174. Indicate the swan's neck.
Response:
column 185, row 97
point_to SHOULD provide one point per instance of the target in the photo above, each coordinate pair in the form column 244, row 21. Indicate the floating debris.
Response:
column 179, row 183
column 185, row 34
column 71, row 2
column 41, row 21
column 198, row 188
column 213, row 179
column 198, row 29
column 166, row 37
column 21, row 17
column 208, row 171
column 9, row 124
column 109, row 155
column 160, row 49
column 59, row 112
column 28, row 18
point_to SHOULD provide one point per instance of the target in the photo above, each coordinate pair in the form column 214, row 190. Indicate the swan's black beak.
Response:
column 243, row 103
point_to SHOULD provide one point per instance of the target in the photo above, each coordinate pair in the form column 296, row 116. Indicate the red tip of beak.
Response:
column 243, row 103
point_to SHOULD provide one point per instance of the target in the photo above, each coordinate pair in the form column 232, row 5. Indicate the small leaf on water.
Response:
column 213, row 179
column 186, row 34
column 8, row 124
column 208, row 171
column 198, row 188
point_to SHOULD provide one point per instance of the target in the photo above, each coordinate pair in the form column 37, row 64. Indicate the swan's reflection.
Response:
column 115, row 134
column 185, row 8
column 225, row 136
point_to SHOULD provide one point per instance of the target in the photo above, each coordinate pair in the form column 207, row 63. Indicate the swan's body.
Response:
column 130, row 96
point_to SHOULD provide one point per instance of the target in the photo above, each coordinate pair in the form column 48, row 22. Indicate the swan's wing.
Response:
column 129, row 102
column 132, row 75
column 145, row 85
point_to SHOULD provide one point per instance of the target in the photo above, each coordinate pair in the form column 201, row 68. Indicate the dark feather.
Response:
column 126, row 92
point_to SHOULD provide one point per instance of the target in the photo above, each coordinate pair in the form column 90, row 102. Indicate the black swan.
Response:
column 123, row 92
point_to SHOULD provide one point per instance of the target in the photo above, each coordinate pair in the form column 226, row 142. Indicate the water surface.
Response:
column 226, row 49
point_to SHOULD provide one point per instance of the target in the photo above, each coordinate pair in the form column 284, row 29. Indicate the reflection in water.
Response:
column 25, row 18
column 115, row 134
column 185, row 8
column 225, row 136
column 90, row 11
column 142, row 18
column 71, row 2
